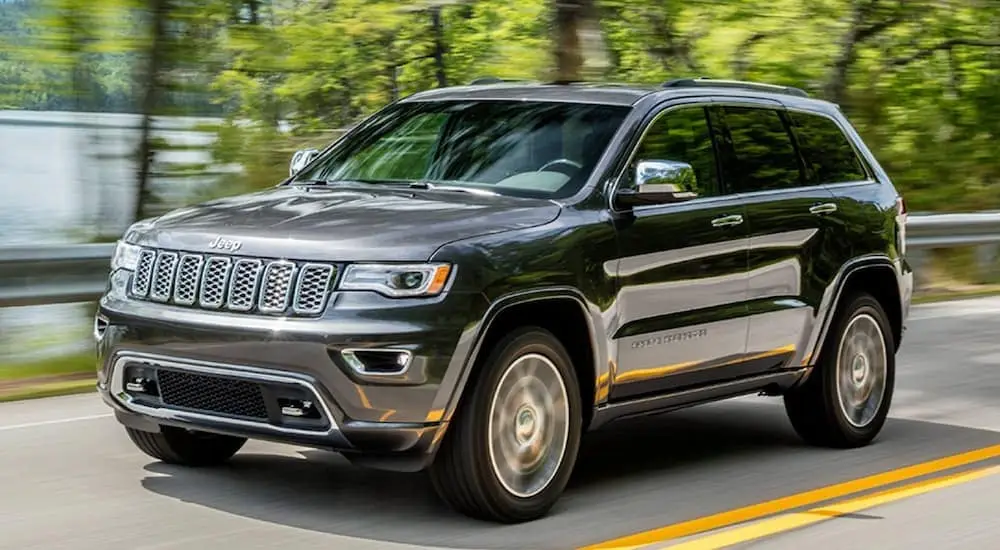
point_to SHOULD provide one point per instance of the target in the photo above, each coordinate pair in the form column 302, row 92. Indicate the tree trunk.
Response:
column 438, row 31
column 569, row 16
column 156, row 57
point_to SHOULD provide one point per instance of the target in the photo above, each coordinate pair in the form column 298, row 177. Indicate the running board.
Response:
column 695, row 396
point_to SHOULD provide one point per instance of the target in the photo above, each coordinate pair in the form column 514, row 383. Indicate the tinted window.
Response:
column 682, row 135
column 827, row 151
column 539, row 149
column 764, row 155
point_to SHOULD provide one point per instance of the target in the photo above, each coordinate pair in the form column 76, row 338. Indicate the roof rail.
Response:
column 483, row 80
column 718, row 83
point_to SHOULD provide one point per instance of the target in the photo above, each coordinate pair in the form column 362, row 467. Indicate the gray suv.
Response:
column 474, row 277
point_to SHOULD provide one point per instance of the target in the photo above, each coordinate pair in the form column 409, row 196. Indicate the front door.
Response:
column 681, row 308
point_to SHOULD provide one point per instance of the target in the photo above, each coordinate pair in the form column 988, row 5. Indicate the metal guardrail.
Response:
column 41, row 275
column 949, row 230
column 53, row 274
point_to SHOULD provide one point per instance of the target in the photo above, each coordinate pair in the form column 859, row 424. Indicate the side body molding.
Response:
column 454, row 385
column 807, row 354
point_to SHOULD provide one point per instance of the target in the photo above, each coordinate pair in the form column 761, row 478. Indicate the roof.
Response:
column 608, row 94
column 624, row 95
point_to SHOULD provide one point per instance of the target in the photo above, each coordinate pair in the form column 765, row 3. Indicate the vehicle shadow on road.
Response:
column 636, row 475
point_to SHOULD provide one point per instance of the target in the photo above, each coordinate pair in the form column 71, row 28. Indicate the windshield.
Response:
column 535, row 149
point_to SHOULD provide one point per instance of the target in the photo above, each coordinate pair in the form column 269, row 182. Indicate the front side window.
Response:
column 681, row 135
column 537, row 149
column 824, row 147
column 764, row 156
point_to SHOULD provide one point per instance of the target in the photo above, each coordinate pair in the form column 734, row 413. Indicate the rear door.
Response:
column 853, row 220
column 791, row 241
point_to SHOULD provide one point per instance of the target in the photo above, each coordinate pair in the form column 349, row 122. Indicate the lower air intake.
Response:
column 211, row 394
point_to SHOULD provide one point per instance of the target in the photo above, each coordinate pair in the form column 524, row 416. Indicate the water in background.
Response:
column 63, row 178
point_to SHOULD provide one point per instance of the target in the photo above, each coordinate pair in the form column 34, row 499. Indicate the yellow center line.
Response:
column 788, row 522
column 784, row 504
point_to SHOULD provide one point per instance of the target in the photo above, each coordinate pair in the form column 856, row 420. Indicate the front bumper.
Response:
column 400, row 446
column 393, row 421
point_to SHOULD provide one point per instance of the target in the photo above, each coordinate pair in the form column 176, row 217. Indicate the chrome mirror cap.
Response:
column 301, row 159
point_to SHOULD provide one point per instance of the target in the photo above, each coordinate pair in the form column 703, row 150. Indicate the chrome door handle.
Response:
column 727, row 221
column 825, row 208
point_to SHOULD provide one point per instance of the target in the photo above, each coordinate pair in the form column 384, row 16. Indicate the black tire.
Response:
column 184, row 447
column 463, row 472
column 814, row 408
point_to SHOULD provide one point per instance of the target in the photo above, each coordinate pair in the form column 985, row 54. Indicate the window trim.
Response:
column 865, row 165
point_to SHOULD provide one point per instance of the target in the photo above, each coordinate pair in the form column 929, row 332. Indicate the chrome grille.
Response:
column 310, row 294
column 277, row 286
column 143, row 273
column 238, row 284
column 188, row 275
column 163, row 276
column 213, row 284
column 243, row 287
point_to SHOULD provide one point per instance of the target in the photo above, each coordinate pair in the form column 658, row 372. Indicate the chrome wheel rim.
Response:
column 861, row 370
column 528, row 425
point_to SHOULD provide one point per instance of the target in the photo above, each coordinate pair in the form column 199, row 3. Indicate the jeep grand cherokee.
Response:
column 473, row 277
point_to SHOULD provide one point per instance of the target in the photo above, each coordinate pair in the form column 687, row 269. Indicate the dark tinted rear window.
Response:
column 827, row 150
column 765, row 157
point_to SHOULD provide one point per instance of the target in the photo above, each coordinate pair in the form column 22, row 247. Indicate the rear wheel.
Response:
column 846, row 402
column 186, row 447
column 511, row 448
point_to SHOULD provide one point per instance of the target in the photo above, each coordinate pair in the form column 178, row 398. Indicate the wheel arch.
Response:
column 542, row 307
column 874, row 274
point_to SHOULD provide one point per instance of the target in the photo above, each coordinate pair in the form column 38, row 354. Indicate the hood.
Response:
column 338, row 224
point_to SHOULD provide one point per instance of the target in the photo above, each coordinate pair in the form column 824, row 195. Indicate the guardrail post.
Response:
column 988, row 263
column 920, row 262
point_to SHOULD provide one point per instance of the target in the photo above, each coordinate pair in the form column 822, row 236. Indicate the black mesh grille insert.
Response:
column 211, row 394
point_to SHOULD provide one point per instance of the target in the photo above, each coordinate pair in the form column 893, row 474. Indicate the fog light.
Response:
column 138, row 385
column 298, row 408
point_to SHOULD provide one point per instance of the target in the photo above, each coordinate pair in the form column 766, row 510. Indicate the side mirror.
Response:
column 660, row 182
column 300, row 159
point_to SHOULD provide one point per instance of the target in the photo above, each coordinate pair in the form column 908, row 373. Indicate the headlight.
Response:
column 126, row 256
column 397, row 281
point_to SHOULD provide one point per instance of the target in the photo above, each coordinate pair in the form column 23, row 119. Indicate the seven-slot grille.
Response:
column 233, row 283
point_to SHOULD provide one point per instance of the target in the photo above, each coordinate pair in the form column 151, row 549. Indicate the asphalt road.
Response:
column 69, row 477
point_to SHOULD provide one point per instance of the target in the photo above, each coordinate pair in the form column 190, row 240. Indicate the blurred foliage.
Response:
column 80, row 363
column 919, row 78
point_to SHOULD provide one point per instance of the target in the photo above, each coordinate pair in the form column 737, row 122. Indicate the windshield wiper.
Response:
column 453, row 188
column 390, row 183
column 332, row 182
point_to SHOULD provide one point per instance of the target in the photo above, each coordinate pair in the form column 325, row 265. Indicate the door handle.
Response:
column 727, row 221
column 825, row 208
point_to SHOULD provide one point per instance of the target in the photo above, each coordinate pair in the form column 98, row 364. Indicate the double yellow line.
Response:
column 792, row 520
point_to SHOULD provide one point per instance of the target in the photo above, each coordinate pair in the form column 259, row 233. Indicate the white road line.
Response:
column 50, row 422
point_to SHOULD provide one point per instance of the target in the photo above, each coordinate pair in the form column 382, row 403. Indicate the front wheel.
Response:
column 846, row 402
column 512, row 446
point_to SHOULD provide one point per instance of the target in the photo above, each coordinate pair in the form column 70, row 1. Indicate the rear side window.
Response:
column 764, row 157
column 826, row 149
